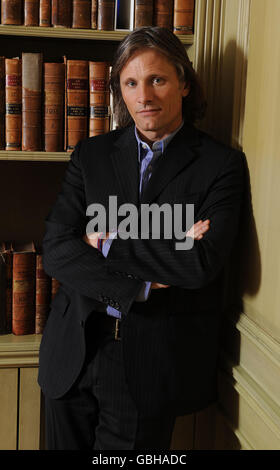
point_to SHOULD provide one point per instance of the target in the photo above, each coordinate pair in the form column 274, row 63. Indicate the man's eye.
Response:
column 131, row 83
column 157, row 80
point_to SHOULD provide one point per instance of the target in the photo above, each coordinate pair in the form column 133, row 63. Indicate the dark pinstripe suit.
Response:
column 170, row 342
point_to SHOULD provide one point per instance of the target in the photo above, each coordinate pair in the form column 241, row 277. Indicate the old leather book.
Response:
column 43, row 295
column 94, row 8
column 183, row 16
column 45, row 13
column 13, row 103
column 106, row 15
column 99, row 120
column 23, row 297
column 81, row 14
column 143, row 15
column 54, row 82
column 11, row 12
column 77, row 102
column 31, row 101
column 163, row 13
column 31, row 12
column 5, row 288
column 2, row 103
column 62, row 13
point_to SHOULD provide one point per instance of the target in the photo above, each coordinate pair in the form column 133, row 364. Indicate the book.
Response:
column 23, row 294
column 76, row 102
column 183, row 17
column 106, row 15
column 99, row 120
column 5, row 287
column 11, row 12
column 13, row 92
column 143, row 13
column 124, row 15
column 45, row 13
column 94, row 8
column 163, row 13
column 81, row 14
column 43, row 295
column 31, row 100
column 54, row 83
column 31, row 12
column 62, row 13
column 2, row 103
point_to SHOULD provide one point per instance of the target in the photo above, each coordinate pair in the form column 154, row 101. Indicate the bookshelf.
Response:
column 29, row 185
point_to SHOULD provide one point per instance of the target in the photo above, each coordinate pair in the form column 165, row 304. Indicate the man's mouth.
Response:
column 148, row 112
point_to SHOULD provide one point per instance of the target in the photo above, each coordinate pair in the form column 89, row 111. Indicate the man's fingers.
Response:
column 157, row 285
column 198, row 229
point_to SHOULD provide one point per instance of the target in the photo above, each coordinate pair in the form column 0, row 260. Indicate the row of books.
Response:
column 105, row 15
column 51, row 106
column 26, row 290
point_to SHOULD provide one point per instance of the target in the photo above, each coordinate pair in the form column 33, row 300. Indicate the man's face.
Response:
column 153, row 94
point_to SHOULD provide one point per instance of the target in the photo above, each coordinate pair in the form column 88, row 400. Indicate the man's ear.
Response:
column 186, row 90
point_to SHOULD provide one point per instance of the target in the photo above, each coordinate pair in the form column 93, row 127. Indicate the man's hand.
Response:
column 196, row 232
column 92, row 238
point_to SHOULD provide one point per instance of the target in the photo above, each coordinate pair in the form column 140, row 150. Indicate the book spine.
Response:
column 81, row 14
column 13, row 104
column 99, row 121
column 11, row 12
column 143, row 15
column 43, row 294
column 54, row 79
column 62, row 13
column 2, row 103
column 31, row 101
column 163, row 13
column 9, row 290
column 94, row 8
column 54, row 286
column 2, row 294
column 183, row 16
column 24, row 271
column 77, row 102
column 31, row 12
column 45, row 13
column 106, row 15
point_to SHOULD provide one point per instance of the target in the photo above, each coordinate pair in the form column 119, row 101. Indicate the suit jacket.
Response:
column 170, row 342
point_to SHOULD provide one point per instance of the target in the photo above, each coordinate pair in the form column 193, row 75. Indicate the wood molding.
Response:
column 18, row 351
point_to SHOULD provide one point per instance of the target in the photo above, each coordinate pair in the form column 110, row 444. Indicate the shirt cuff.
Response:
column 107, row 244
column 113, row 312
column 144, row 292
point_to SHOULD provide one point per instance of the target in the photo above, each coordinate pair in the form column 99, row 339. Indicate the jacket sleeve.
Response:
column 70, row 260
column 157, row 260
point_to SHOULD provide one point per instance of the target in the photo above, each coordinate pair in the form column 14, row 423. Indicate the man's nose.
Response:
column 145, row 93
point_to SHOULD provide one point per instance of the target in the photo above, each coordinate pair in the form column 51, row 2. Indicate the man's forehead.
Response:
column 142, row 54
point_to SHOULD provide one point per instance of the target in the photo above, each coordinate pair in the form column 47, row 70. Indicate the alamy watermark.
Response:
column 144, row 223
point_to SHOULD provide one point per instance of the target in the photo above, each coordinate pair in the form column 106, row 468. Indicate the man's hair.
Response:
column 167, row 43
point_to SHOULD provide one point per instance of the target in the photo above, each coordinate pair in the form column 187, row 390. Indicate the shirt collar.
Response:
column 159, row 145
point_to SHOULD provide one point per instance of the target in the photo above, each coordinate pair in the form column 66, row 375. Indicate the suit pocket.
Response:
column 60, row 303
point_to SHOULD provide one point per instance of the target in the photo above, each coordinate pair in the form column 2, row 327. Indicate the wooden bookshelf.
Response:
column 35, row 156
column 73, row 33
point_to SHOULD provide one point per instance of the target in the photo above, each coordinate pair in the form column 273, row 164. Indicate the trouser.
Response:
column 98, row 412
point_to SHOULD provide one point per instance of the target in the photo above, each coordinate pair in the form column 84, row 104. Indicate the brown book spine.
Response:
column 5, row 288
column 143, row 15
column 31, row 12
column 43, row 295
column 54, row 287
column 24, row 273
column 163, row 13
column 99, row 120
column 45, row 13
column 62, row 13
column 183, row 16
column 11, row 12
column 106, row 15
column 54, row 81
column 31, row 100
column 94, row 8
column 77, row 102
column 13, row 104
column 2, row 103
column 81, row 14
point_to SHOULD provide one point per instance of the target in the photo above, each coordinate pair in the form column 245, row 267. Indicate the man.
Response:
column 131, row 341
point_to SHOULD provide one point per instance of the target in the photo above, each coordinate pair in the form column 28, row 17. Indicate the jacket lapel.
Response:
column 178, row 155
column 125, row 162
